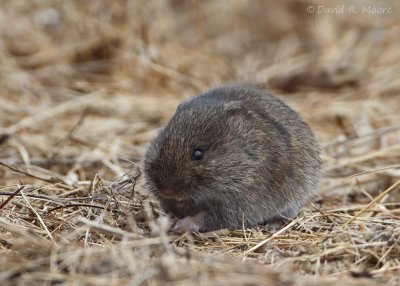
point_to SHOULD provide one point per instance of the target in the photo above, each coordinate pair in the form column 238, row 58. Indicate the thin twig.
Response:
column 265, row 241
column 374, row 134
column 377, row 198
column 71, row 132
column 371, row 171
column 108, row 229
column 52, row 181
column 40, row 219
column 79, row 205
column 12, row 195
column 52, row 112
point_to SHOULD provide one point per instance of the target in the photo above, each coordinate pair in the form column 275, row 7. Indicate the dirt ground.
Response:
column 85, row 85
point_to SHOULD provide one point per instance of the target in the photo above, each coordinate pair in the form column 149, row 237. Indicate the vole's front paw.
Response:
column 274, row 226
column 187, row 224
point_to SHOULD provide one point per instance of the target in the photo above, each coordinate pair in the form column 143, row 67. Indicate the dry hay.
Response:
column 86, row 84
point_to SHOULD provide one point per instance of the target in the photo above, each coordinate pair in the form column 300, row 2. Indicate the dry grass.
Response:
column 86, row 84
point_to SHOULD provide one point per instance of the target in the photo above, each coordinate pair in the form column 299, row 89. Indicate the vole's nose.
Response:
column 168, row 191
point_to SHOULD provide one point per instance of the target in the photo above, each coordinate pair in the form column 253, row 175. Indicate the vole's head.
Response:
column 203, row 151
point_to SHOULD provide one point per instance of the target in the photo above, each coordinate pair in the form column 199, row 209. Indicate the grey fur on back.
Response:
column 261, row 160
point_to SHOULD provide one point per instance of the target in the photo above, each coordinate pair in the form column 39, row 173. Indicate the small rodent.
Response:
column 231, row 157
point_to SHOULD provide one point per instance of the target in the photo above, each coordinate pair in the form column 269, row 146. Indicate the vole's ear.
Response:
column 182, row 105
column 234, row 107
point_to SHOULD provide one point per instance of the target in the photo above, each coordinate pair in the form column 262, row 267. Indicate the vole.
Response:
column 233, row 156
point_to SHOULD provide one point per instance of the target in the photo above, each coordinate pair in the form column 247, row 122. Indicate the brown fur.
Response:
column 261, row 161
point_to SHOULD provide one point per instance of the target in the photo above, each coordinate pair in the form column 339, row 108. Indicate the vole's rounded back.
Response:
column 234, row 155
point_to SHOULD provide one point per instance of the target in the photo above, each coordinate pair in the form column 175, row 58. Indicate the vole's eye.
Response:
column 197, row 155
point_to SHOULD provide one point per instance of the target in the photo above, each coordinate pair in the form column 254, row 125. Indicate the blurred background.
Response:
column 87, row 84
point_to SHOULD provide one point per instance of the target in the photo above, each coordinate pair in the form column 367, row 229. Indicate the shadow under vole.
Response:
column 231, row 156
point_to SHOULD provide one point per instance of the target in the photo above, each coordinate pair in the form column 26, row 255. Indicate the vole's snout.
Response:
column 168, row 191
column 172, row 193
